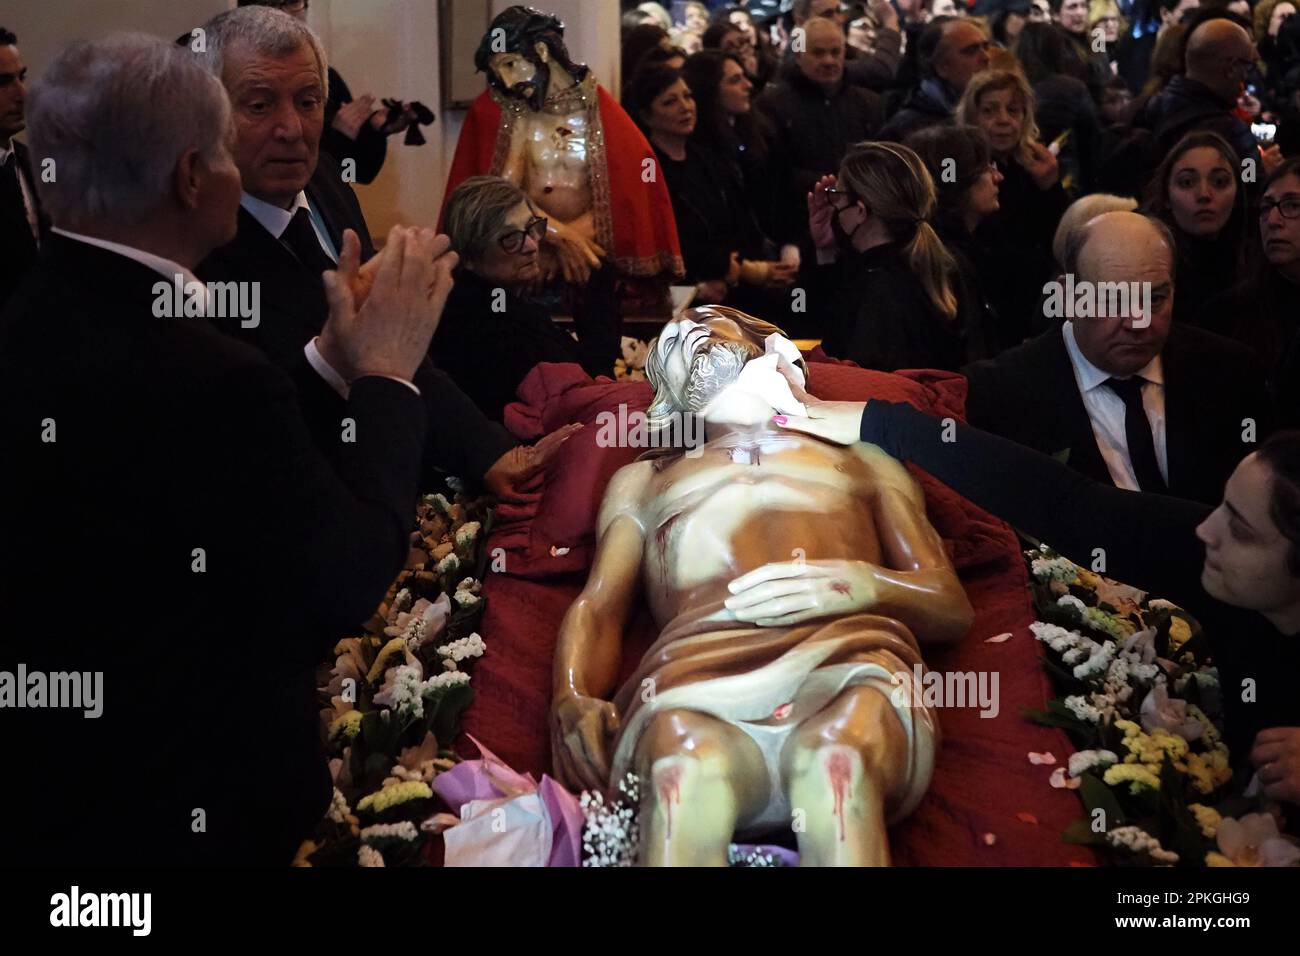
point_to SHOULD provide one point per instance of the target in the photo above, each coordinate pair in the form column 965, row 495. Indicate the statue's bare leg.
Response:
column 700, row 777
column 838, row 767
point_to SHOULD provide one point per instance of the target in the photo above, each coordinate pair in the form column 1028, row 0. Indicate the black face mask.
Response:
column 843, row 237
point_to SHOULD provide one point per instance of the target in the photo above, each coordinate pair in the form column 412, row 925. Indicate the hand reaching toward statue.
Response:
column 821, row 214
column 519, row 471
column 791, row 592
column 838, row 422
column 571, row 254
column 1276, row 755
column 582, row 728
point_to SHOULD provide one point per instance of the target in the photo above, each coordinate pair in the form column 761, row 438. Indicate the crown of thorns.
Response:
column 522, row 27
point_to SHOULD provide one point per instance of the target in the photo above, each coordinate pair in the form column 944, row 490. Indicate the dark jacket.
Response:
column 369, row 149
column 461, row 439
column 1030, row 395
column 811, row 132
column 1185, row 105
column 490, row 339
column 920, row 110
column 1263, row 313
column 166, row 437
column 884, row 320
column 16, row 239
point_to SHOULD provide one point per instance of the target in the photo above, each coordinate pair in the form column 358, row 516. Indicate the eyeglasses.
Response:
column 513, row 241
column 839, row 198
column 1289, row 208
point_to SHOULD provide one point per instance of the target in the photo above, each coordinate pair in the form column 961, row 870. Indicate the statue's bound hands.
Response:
column 791, row 592
column 572, row 254
column 582, row 728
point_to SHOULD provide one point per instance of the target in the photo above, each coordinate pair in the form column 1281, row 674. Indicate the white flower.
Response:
column 466, row 534
column 1138, row 840
column 1081, row 708
column 403, row 686
column 447, row 679
column 448, row 565
column 466, row 598
column 1085, row 760
column 1098, row 661
column 1054, row 569
column 339, row 808
column 368, row 856
column 390, row 831
column 1069, row 600
column 1057, row 638
column 472, row 646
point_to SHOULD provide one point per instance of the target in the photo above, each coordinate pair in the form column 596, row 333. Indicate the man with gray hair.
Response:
column 294, row 212
column 1125, row 394
column 217, row 556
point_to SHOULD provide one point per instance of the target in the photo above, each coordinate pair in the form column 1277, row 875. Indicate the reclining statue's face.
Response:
column 699, row 359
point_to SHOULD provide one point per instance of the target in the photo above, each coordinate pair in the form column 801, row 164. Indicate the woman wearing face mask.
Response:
column 1031, row 199
column 1196, row 193
column 894, row 302
column 727, row 255
column 1236, row 567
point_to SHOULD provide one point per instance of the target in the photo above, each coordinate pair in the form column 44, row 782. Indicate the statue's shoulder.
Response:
column 888, row 473
column 625, row 494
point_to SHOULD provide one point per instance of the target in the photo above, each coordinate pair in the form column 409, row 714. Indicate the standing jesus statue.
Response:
column 791, row 580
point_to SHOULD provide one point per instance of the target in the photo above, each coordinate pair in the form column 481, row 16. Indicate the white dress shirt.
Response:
column 1106, row 412
column 275, row 221
column 29, row 200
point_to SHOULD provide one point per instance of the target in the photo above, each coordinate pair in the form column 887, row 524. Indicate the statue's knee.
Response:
column 861, row 721
column 671, row 733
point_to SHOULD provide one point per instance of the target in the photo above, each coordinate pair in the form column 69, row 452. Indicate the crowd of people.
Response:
column 913, row 183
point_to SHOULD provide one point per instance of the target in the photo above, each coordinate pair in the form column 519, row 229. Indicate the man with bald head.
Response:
column 1118, row 390
column 951, row 50
column 1219, row 53
column 817, row 115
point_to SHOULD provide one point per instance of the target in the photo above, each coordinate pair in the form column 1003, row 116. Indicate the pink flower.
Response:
column 1162, row 711
column 1253, row 840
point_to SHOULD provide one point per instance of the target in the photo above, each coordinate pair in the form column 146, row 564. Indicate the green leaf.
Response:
column 1095, row 793
column 450, row 706
column 1081, row 833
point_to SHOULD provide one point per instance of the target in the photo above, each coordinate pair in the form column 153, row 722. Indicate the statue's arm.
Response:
column 591, row 635
column 915, row 581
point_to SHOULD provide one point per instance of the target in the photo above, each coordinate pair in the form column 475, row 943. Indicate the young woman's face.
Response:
column 1001, row 115
column 1202, row 188
column 1245, row 553
column 673, row 111
column 982, row 197
column 734, row 89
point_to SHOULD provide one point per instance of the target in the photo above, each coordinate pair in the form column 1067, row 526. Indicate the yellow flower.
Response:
column 395, row 795
column 1208, row 771
column 1089, row 579
column 1207, row 818
column 1180, row 632
column 349, row 723
column 396, row 646
column 1136, row 775
column 1130, row 729
column 1217, row 859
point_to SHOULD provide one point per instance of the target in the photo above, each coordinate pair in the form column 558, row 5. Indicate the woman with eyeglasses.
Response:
column 492, row 333
column 889, row 283
column 1264, row 310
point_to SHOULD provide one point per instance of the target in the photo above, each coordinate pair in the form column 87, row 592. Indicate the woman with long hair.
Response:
column 727, row 255
column 1196, row 193
column 895, row 303
column 729, row 126
column 1018, row 234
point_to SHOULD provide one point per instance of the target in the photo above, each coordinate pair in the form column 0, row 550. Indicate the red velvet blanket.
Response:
column 987, row 805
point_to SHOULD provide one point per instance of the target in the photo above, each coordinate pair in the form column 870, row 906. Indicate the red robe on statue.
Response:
column 633, row 218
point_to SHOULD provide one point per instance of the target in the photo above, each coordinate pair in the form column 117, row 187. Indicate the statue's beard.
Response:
column 532, row 92
column 712, row 371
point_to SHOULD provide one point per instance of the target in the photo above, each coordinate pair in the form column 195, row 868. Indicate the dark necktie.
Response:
column 304, row 243
column 1137, row 432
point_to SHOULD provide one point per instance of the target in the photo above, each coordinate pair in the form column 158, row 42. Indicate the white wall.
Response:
column 384, row 47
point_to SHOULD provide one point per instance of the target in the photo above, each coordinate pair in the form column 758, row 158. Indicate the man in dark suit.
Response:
column 20, row 207
column 172, row 541
column 293, row 213
column 1143, row 405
